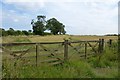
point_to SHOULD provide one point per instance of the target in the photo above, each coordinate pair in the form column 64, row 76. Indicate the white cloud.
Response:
column 36, row 5
column 0, row 15
column 28, row 6
column 15, row 20
column 110, row 1
column 91, row 18
column 82, row 17
column 9, row 1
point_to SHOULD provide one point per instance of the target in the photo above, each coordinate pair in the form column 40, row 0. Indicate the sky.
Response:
column 80, row 17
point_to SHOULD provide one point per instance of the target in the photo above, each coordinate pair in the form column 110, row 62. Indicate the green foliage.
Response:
column 18, row 32
column 107, row 58
column 25, row 32
column 47, row 33
column 70, row 69
column 12, row 32
column 81, row 69
column 3, row 32
column 52, row 24
column 55, row 26
column 39, row 26
column 95, row 62
column 67, row 70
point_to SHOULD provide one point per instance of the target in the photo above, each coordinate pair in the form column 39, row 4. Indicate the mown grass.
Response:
column 104, row 66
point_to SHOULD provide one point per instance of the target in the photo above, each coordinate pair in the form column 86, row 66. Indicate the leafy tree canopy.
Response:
column 39, row 25
column 55, row 26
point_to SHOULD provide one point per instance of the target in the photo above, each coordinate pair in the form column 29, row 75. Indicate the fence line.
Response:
column 66, row 43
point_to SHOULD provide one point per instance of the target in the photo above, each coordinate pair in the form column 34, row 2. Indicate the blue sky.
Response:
column 81, row 17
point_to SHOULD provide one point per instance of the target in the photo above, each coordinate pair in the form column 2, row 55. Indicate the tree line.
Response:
column 39, row 27
column 11, row 31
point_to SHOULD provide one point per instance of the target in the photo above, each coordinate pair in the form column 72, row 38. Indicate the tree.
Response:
column 39, row 25
column 62, row 30
column 30, row 31
column 55, row 26
column 25, row 32
column 18, row 32
column 3, row 32
column 11, row 31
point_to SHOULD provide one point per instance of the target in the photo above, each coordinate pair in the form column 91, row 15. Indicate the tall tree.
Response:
column 55, row 26
column 39, row 25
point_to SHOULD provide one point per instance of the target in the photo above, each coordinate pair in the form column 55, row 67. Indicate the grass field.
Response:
column 106, row 67
column 52, row 38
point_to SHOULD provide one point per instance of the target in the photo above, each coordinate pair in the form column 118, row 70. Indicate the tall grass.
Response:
column 107, row 64
column 73, row 69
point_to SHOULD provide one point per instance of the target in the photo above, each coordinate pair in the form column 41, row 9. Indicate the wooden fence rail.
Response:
column 66, row 45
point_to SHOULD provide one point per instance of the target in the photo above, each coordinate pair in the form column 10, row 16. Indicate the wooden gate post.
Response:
column 85, row 50
column 99, row 48
column 102, row 45
column 110, row 42
column 36, row 53
column 66, row 50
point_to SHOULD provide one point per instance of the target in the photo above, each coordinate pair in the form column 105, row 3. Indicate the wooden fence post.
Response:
column 85, row 50
column 99, row 48
column 110, row 42
column 36, row 53
column 102, row 45
column 66, row 50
